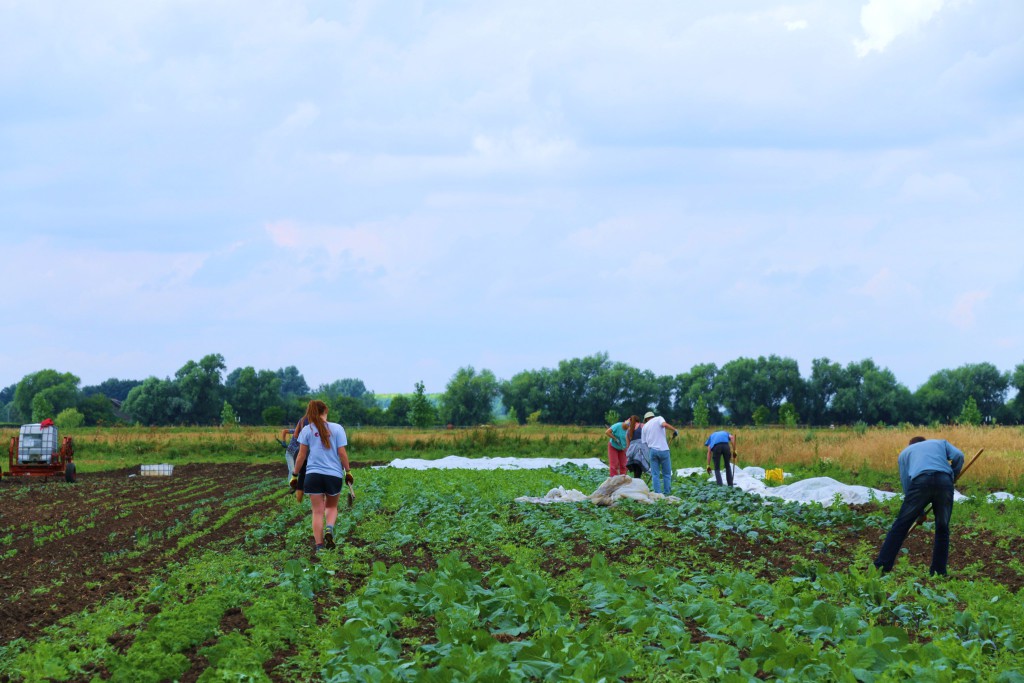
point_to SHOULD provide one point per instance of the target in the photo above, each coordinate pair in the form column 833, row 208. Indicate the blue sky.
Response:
column 392, row 191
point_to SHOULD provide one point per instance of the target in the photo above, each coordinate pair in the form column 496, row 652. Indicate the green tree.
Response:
column 58, row 390
column 970, row 414
column 351, row 411
column 860, row 392
column 788, row 416
column 468, row 398
column 1015, row 408
column 352, row 388
column 694, row 387
column 112, row 388
column 156, row 402
column 761, row 415
column 69, row 418
column 200, row 385
column 7, row 394
column 423, row 412
column 273, row 416
column 399, row 412
column 293, row 384
column 228, row 418
column 744, row 384
column 527, row 392
column 943, row 395
column 251, row 392
column 701, row 414
column 824, row 383
column 574, row 398
column 42, row 408
column 97, row 409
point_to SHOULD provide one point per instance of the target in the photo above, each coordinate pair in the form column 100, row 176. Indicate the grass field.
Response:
column 867, row 456
column 209, row 575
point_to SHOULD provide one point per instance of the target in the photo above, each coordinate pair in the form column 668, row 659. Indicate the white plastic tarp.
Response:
column 751, row 479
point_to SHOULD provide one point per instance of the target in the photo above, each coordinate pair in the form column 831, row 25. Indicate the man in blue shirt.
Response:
column 723, row 446
column 928, row 469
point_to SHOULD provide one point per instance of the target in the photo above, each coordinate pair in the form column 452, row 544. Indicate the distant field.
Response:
column 868, row 455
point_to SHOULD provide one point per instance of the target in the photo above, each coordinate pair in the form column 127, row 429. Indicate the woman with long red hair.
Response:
column 322, row 450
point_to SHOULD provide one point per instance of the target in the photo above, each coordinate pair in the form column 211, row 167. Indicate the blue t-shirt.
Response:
column 933, row 455
column 323, row 460
column 717, row 438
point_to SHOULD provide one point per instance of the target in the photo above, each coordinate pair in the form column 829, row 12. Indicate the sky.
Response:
column 392, row 191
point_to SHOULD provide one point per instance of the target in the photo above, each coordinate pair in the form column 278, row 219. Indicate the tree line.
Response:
column 588, row 391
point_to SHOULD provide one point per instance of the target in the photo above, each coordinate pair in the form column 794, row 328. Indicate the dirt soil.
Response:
column 78, row 544
column 64, row 547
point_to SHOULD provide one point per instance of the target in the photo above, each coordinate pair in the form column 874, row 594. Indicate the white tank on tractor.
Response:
column 38, row 451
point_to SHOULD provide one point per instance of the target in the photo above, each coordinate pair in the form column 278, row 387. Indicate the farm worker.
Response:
column 928, row 469
column 653, row 435
column 323, row 443
column 618, row 441
column 293, row 451
column 637, row 458
column 722, row 445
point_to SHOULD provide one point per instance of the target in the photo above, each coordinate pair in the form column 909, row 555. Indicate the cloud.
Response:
column 963, row 313
column 797, row 25
column 941, row 187
column 884, row 285
column 302, row 116
column 885, row 20
column 520, row 147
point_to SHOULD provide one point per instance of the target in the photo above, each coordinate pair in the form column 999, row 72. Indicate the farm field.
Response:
column 209, row 575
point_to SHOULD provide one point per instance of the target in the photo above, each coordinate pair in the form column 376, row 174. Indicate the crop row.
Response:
column 440, row 576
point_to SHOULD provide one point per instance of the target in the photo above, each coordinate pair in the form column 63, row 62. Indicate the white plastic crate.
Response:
column 36, row 444
column 157, row 470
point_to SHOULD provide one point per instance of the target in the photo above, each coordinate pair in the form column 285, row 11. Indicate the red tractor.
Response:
column 38, row 452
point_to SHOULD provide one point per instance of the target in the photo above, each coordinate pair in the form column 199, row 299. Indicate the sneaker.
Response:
column 318, row 549
column 329, row 540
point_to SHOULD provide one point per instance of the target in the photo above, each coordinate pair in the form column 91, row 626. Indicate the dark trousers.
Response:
column 718, row 452
column 928, row 487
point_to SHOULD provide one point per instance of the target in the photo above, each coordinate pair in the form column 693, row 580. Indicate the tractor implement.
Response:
column 38, row 451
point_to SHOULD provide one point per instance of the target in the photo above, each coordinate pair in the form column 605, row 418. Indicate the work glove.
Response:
column 675, row 433
column 293, row 483
column 922, row 519
column 708, row 469
column 348, row 478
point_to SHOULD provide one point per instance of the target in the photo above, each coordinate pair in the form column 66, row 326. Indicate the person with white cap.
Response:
column 654, row 436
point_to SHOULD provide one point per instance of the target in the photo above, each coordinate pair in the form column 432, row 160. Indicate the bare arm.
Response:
column 300, row 459
column 343, row 454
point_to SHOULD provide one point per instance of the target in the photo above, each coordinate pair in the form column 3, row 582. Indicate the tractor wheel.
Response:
column 69, row 473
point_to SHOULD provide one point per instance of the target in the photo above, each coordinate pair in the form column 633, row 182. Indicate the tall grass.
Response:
column 876, row 449
column 844, row 449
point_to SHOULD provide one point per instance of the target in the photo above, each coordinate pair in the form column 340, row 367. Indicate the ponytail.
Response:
column 633, row 419
column 315, row 415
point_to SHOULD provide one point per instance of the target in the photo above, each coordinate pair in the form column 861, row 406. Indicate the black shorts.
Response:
column 322, row 484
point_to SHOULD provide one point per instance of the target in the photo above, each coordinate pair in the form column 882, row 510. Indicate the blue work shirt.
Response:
column 933, row 455
column 717, row 438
